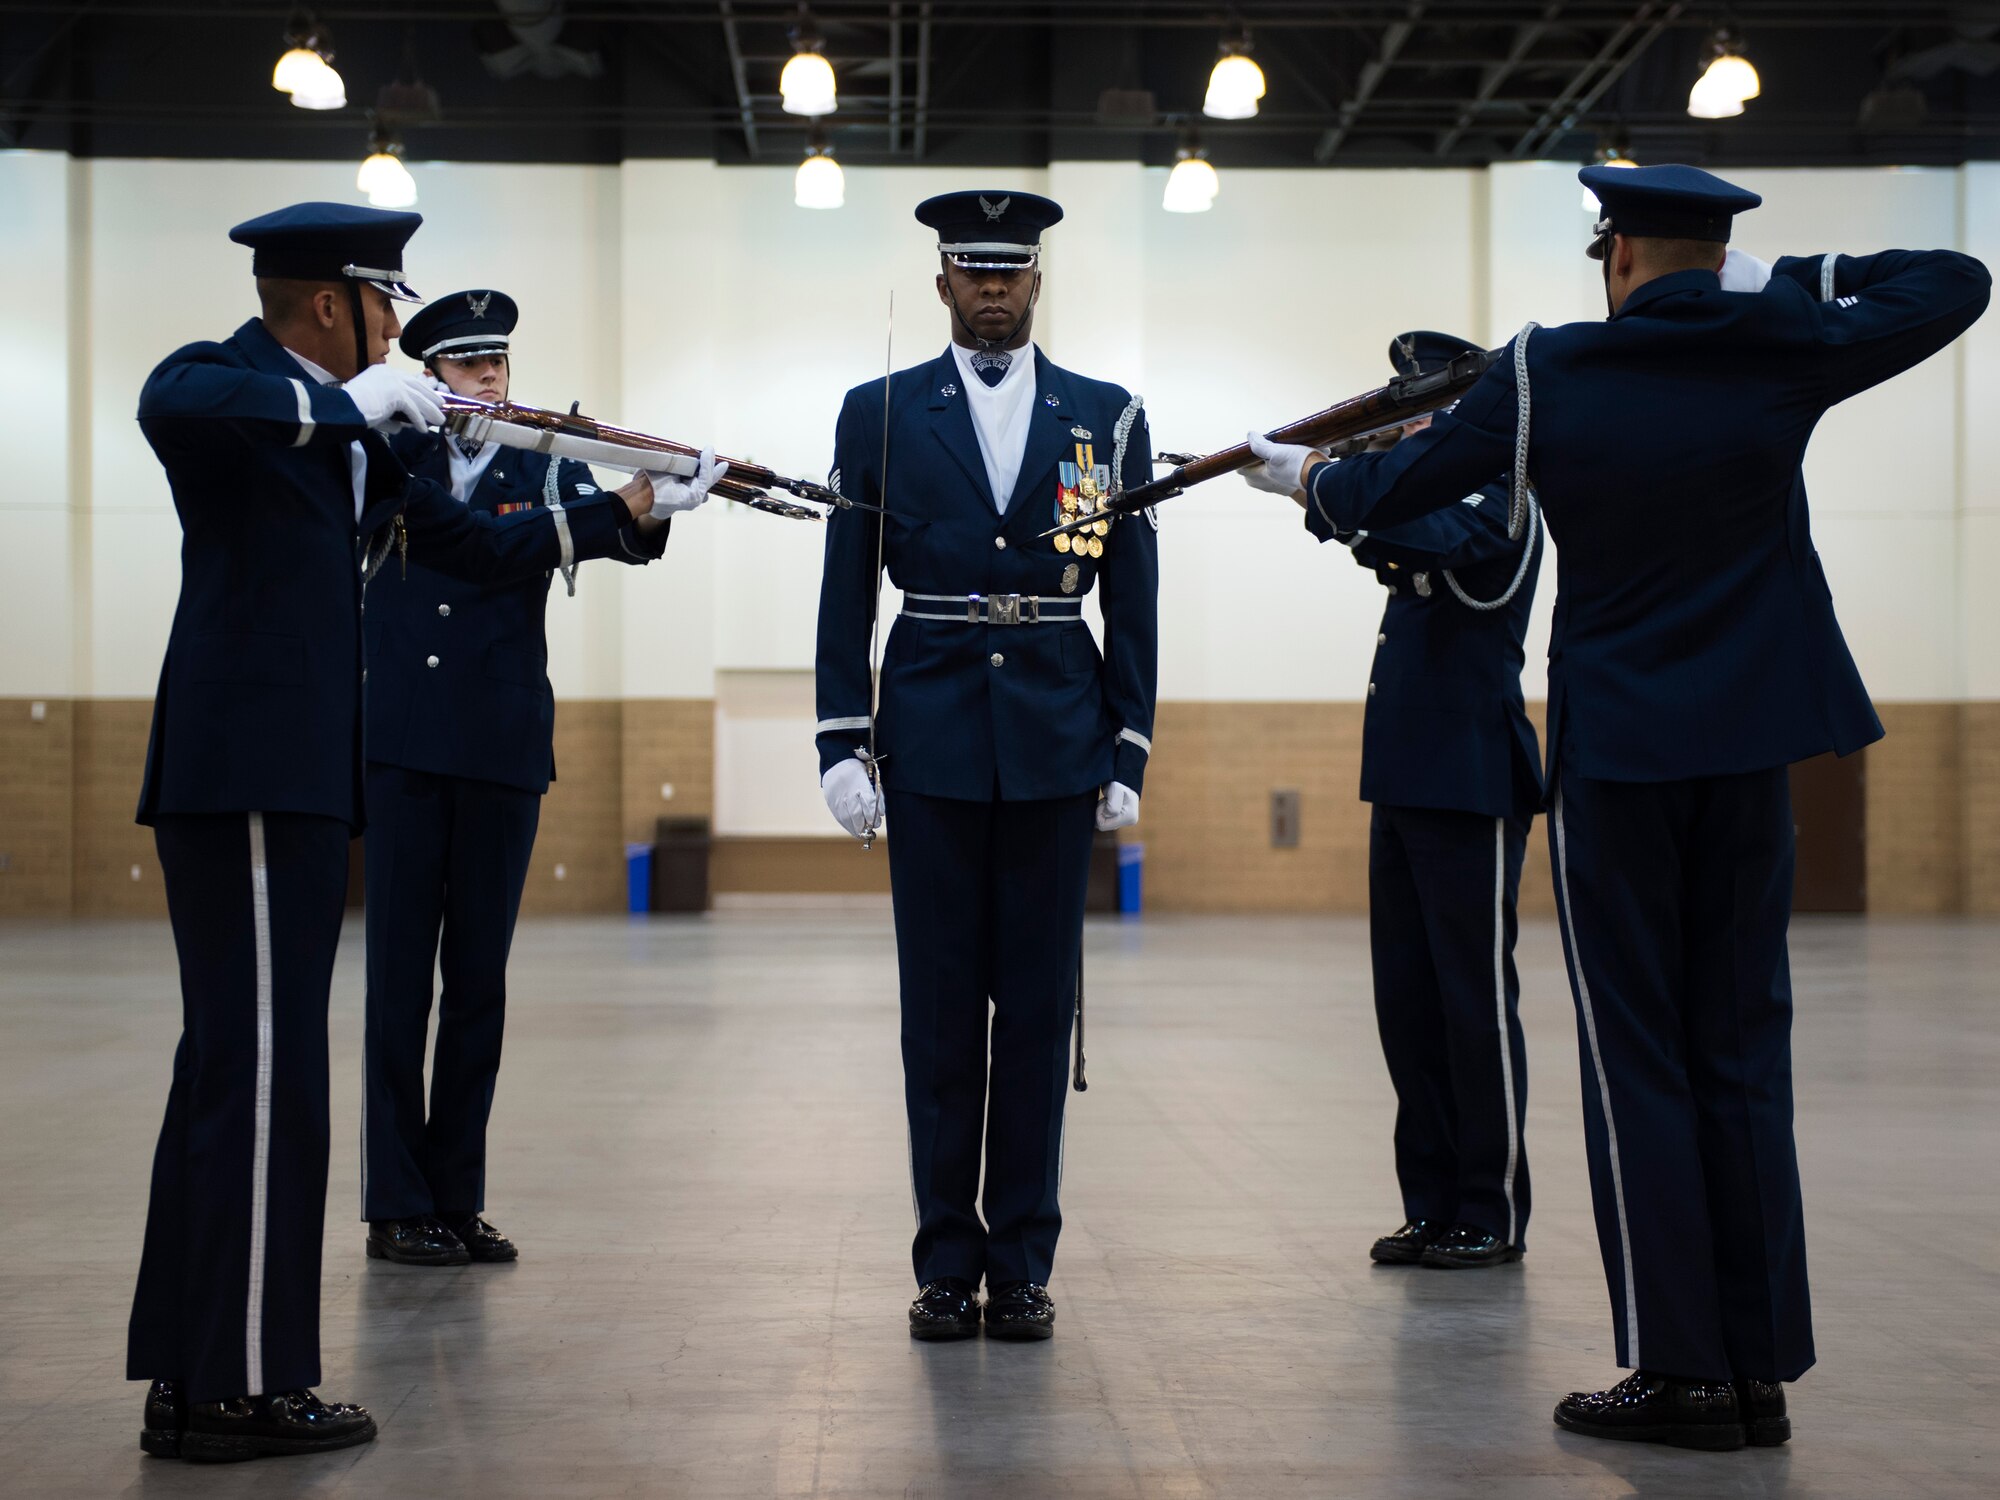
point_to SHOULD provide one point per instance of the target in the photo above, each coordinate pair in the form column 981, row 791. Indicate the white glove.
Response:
column 387, row 397
column 1117, row 808
column 1744, row 273
column 673, row 494
column 852, row 797
column 1282, row 466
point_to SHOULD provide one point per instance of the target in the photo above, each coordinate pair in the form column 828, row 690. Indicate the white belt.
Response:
column 994, row 609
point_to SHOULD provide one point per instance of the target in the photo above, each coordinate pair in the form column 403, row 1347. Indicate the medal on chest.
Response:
column 1082, row 487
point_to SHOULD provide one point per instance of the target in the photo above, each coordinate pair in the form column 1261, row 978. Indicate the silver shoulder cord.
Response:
column 1121, row 435
column 1523, row 514
column 868, row 757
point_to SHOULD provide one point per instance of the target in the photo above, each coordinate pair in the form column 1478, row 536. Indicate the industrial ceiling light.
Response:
column 306, row 70
column 1236, row 83
column 807, row 84
column 383, row 177
column 1727, row 83
column 819, row 182
column 1607, row 156
column 1192, row 185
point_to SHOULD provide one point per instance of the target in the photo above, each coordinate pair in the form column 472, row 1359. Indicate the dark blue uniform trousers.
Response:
column 228, row 1296
column 1441, row 929
column 1675, row 897
column 447, row 857
column 989, row 908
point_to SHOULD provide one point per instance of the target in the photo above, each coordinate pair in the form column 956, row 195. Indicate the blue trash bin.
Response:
column 638, row 878
column 1131, row 878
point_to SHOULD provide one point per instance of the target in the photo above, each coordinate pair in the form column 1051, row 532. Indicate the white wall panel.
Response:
column 697, row 302
column 35, row 414
column 1892, row 581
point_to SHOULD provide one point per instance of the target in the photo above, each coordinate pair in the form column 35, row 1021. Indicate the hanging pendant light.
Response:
column 807, row 85
column 1236, row 83
column 306, row 71
column 384, row 178
column 819, row 182
column 1193, row 184
column 1609, row 156
column 1727, row 83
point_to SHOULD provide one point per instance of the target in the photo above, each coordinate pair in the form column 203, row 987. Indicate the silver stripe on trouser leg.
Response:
column 260, row 1154
column 1603, row 1082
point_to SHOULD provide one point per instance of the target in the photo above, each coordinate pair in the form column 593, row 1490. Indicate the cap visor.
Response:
column 990, row 260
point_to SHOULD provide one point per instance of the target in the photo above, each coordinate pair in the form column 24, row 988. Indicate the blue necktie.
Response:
column 991, row 367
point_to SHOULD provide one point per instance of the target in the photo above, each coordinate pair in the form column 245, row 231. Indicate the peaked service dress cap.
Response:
column 460, row 325
column 1668, row 202
column 332, row 242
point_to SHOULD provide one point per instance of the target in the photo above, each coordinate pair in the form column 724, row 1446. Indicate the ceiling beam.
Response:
column 1612, row 59
column 1372, row 74
column 919, row 137
column 746, row 111
column 1497, row 74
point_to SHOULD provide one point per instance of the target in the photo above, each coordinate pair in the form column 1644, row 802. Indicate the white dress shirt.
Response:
column 1000, row 416
column 357, row 461
column 466, row 472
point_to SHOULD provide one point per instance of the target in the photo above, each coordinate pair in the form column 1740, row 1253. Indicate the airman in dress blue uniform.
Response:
column 1450, row 763
column 1004, row 738
column 1694, row 655
column 285, row 489
column 459, row 743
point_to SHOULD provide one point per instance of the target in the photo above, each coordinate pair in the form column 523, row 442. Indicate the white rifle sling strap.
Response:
column 552, row 497
column 1523, row 514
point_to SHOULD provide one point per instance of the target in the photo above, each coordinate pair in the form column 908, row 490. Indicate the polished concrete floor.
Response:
column 699, row 1144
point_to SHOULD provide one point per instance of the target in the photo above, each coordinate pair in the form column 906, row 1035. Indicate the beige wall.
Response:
column 69, row 780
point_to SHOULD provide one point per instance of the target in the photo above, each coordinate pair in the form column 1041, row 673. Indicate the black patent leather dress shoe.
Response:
column 485, row 1243
column 1407, row 1245
column 1647, row 1408
column 422, row 1241
column 945, row 1309
column 1466, row 1246
column 1020, row 1310
column 1762, row 1403
column 289, row 1422
column 166, row 1419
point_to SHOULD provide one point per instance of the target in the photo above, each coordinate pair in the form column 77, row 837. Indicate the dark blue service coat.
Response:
column 1694, row 655
column 259, row 704
column 1034, row 710
column 485, row 708
column 1694, row 633
column 1446, row 726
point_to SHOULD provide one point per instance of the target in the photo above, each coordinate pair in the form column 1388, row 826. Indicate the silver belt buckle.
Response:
column 1004, row 609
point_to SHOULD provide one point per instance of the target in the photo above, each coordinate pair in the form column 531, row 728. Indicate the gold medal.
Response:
column 1102, row 528
column 1096, row 547
column 1062, row 541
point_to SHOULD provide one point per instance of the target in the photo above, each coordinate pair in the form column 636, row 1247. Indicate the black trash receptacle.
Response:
column 681, row 848
column 1100, row 891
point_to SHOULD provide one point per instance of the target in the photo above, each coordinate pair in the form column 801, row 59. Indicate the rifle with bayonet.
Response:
column 1338, row 431
column 570, row 434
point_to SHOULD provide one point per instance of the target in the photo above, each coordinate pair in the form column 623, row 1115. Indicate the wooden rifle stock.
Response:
column 1404, row 398
column 745, row 483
